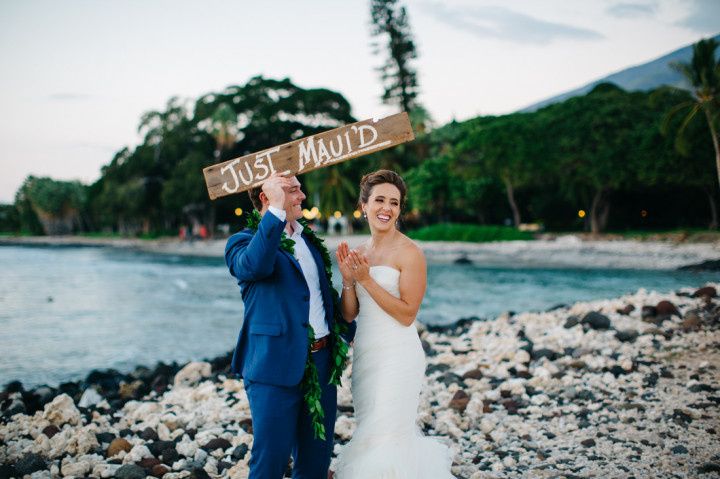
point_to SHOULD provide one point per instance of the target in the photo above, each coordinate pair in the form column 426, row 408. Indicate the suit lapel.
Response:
column 294, row 262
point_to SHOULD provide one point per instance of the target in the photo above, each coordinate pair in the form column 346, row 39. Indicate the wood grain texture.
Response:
column 307, row 154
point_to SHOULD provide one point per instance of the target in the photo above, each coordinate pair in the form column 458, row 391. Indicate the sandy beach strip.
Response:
column 572, row 251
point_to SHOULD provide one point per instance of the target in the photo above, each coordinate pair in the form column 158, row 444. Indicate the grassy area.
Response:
column 470, row 233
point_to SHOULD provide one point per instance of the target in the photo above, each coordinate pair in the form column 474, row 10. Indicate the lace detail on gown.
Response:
column 388, row 373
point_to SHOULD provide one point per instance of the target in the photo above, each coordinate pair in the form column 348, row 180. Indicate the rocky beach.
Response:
column 623, row 387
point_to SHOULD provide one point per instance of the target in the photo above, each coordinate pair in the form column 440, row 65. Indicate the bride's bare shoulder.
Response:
column 411, row 252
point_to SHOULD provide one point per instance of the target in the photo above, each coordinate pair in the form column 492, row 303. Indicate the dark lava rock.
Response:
column 627, row 335
column 512, row 406
column 556, row 307
column 159, row 470
column 29, row 464
column 596, row 320
column 429, row 351
column 618, row 371
column 706, row 291
column 199, row 473
column 434, row 368
column 222, row 465
column 459, row 327
column 544, row 353
column 709, row 265
column 451, row 378
column 130, row 471
column 657, row 320
column 105, row 437
column 7, row 471
column 588, row 442
column 157, row 447
column 651, row 380
column 239, row 452
column 463, row 260
column 648, row 312
column 246, row 425
column 709, row 467
column 679, row 449
column 169, row 456
column 51, row 430
column 571, row 321
column 459, row 401
column 681, row 417
column 666, row 308
column 126, row 432
column 473, row 374
column 626, row 310
column 13, row 387
column 149, row 434
column 217, row 443
column 148, row 462
column 697, row 388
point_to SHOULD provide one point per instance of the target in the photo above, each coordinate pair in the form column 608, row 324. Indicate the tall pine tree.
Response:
column 390, row 23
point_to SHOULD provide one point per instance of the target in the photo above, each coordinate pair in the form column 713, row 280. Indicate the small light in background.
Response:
column 643, row 213
column 307, row 214
column 357, row 214
column 238, row 211
column 337, row 214
column 581, row 214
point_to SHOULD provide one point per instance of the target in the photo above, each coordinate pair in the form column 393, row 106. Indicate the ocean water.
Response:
column 66, row 311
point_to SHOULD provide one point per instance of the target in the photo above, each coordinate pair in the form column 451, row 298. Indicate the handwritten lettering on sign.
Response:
column 307, row 154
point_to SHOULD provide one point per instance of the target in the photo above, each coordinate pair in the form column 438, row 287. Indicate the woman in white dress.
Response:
column 384, row 282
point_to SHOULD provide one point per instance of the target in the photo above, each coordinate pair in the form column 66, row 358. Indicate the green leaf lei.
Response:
column 310, row 381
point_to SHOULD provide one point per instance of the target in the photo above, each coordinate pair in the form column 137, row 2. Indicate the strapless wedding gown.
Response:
column 388, row 371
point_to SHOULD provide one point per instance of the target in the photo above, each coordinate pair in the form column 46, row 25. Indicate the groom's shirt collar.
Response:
column 297, row 228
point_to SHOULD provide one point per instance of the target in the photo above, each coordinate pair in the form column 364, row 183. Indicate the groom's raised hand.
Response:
column 274, row 189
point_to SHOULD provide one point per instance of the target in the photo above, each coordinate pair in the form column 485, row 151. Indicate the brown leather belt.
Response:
column 320, row 344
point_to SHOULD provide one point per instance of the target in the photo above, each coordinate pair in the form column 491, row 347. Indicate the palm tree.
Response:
column 224, row 129
column 703, row 75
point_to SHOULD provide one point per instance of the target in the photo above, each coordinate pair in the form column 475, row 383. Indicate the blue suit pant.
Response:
column 282, row 426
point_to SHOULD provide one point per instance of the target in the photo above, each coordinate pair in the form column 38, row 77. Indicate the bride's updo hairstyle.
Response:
column 380, row 177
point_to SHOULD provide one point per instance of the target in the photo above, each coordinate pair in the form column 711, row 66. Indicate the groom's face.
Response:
column 294, row 197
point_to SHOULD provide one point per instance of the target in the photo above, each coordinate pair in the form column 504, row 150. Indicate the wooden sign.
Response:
column 307, row 154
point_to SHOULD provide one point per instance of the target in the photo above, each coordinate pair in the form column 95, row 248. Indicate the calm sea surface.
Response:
column 66, row 311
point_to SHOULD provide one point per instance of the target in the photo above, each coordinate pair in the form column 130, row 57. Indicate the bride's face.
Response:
column 383, row 207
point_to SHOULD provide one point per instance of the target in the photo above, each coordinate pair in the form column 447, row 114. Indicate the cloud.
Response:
column 632, row 10
column 704, row 16
column 68, row 97
column 505, row 24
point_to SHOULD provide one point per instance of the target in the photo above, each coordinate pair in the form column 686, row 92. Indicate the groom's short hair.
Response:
column 254, row 194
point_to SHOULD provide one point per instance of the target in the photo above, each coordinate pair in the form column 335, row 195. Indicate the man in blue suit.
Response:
column 283, row 294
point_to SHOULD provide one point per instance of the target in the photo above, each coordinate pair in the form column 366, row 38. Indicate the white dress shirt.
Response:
column 310, row 272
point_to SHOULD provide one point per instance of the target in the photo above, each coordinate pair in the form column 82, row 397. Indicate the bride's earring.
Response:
column 364, row 214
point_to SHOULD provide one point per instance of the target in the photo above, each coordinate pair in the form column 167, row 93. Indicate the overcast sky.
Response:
column 77, row 75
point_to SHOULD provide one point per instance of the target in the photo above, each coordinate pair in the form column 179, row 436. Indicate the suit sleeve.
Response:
column 252, row 257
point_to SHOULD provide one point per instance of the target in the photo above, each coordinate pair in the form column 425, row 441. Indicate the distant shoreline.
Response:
column 565, row 251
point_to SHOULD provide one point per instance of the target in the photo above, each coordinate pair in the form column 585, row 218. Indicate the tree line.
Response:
column 609, row 159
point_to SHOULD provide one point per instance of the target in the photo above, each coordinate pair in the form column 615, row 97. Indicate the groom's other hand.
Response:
column 342, row 254
column 274, row 189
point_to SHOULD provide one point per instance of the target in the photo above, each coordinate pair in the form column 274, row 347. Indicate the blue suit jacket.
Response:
column 272, row 346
